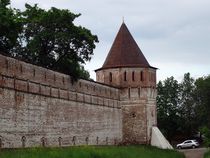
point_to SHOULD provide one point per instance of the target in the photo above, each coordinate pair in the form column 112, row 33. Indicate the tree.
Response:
column 10, row 26
column 187, row 105
column 202, row 99
column 183, row 108
column 167, row 106
column 206, row 132
column 50, row 39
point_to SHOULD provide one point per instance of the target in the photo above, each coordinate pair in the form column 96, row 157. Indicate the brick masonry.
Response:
column 40, row 107
column 137, row 88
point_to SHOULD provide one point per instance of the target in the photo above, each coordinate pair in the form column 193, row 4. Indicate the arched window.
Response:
column 60, row 141
column 125, row 76
column 86, row 140
column 139, row 92
column 110, row 77
column 23, row 139
column 97, row 140
column 63, row 80
column 133, row 76
column 74, row 140
column 142, row 76
column 43, row 140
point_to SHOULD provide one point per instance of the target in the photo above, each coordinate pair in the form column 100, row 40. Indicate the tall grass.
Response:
column 207, row 154
column 91, row 152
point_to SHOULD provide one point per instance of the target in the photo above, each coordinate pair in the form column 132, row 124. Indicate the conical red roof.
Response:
column 124, row 52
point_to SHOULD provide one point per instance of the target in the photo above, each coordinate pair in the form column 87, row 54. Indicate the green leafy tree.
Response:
column 10, row 27
column 202, row 99
column 167, row 106
column 183, row 107
column 206, row 133
column 48, row 38
column 187, row 106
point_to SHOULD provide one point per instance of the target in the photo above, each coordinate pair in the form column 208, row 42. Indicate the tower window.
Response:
column 133, row 76
column 129, row 93
column 125, row 76
column 142, row 76
column 110, row 77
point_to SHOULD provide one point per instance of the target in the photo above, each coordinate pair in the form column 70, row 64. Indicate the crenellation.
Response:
column 8, row 82
column 54, row 92
column 45, row 90
column 64, row 94
column 20, row 85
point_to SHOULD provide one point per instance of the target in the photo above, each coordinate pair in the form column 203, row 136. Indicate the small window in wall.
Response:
column 21, row 68
column 142, row 76
column 63, row 80
column 23, row 139
column 133, row 76
column 74, row 140
column 45, row 75
column 154, row 78
column 125, row 76
column 86, row 140
column 110, row 77
column 139, row 92
column 133, row 114
column 43, row 141
column 97, row 140
column 60, row 141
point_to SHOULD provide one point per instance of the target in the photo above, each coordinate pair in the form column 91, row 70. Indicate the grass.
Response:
column 207, row 154
column 91, row 152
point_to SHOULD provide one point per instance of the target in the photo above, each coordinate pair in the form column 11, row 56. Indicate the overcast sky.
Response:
column 173, row 35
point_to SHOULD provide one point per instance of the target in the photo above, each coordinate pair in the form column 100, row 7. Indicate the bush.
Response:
column 207, row 154
column 206, row 132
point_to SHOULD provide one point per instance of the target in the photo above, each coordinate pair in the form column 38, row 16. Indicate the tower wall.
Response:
column 137, row 98
column 127, row 77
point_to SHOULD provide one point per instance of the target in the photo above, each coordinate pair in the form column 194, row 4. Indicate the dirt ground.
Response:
column 194, row 153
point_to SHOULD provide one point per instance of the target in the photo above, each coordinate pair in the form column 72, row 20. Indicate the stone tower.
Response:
column 126, row 68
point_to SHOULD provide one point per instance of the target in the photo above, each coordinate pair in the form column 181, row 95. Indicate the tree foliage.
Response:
column 206, row 133
column 183, row 107
column 167, row 101
column 187, row 105
column 47, row 38
column 10, row 27
column 202, row 100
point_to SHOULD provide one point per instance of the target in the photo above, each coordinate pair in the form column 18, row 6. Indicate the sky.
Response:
column 174, row 36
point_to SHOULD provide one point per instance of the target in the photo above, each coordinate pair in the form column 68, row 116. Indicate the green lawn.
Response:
column 91, row 152
column 207, row 154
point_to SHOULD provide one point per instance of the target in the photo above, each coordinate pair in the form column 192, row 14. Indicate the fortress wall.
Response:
column 34, row 74
column 40, row 107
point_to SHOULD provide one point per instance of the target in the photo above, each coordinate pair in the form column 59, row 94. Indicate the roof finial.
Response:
column 123, row 19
